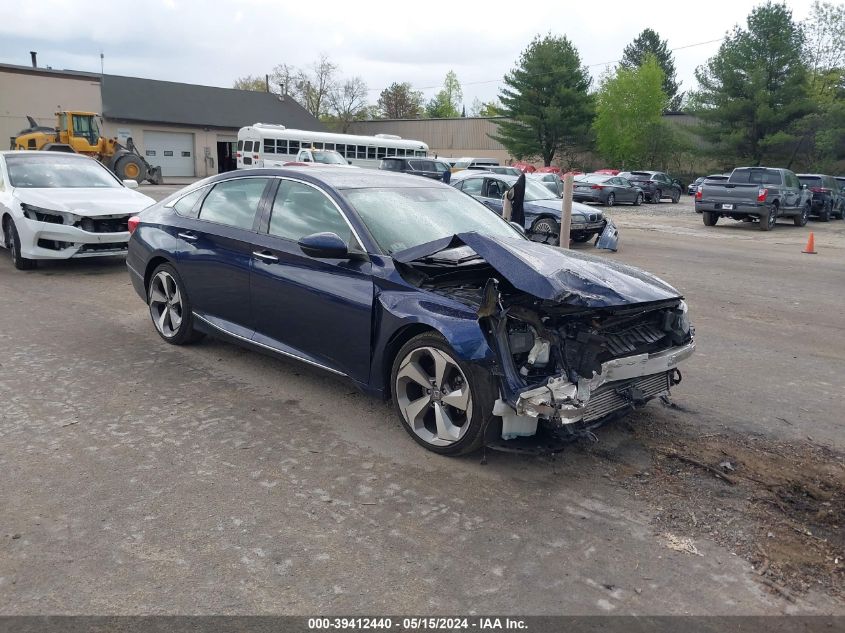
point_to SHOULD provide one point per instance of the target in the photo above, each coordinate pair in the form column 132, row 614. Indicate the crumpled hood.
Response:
column 86, row 201
column 578, row 208
column 555, row 274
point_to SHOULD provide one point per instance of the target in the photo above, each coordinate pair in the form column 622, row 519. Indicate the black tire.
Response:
column 610, row 200
column 13, row 243
column 824, row 214
column 657, row 196
column 184, row 333
column 676, row 196
column 130, row 167
column 709, row 218
column 768, row 221
column 801, row 220
column 548, row 229
column 638, row 200
column 482, row 395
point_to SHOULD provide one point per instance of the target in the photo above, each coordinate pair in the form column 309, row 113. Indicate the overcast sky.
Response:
column 216, row 41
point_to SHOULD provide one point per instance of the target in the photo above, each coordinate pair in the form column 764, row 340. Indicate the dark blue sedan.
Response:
column 415, row 292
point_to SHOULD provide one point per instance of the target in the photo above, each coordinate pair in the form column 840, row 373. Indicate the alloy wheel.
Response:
column 166, row 304
column 433, row 396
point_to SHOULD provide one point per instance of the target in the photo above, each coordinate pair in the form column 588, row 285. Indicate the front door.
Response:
column 215, row 253
column 319, row 310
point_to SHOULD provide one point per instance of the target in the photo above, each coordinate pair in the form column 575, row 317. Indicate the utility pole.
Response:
column 566, row 210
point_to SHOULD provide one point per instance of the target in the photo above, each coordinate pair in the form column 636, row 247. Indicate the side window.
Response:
column 301, row 210
column 186, row 205
column 495, row 189
column 234, row 202
column 472, row 186
column 269, row 146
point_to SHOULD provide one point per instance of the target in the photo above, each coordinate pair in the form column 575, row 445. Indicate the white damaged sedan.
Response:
column 58, row 206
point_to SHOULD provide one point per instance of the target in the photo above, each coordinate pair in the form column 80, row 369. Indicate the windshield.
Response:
column 52, row 170
column 328, row 157
column 400, row 218
column 536, row 191
column 594, row 178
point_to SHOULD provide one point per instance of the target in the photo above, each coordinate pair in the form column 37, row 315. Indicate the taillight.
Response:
column 255, row 156
column 134, row 221
column 761, row 195
column 597, row 187
column 820, row 190
column 237, row 154
column 699, row 192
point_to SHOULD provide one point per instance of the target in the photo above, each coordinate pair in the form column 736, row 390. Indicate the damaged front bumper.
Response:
column 623, row 382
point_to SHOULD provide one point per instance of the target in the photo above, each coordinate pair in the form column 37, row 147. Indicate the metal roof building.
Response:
column 189, row 130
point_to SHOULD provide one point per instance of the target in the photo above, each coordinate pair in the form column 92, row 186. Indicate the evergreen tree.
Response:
column 400, row 101
column 649, row 43
column 754, row 93
column 546, row 100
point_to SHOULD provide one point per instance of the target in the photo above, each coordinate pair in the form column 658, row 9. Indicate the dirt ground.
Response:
column 144, row 478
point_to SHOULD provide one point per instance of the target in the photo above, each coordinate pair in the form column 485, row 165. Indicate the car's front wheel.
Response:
column 547, row 230
column 170, row 308
column 444, row 403
column 638, row 200
column 13, row 243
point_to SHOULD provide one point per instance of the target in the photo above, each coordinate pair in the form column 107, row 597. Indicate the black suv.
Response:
column 428, row 167
column 828, row 198
column 655, row 185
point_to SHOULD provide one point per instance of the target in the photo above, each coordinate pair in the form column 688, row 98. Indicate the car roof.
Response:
column 342, row 177
column 33, row 153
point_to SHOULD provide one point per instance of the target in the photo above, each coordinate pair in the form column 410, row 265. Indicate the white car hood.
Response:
column 86, row 202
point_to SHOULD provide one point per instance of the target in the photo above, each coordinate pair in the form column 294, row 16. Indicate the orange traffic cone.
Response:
column 810, row 249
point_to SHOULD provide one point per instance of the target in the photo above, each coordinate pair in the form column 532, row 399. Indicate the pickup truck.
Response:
column 763, row 194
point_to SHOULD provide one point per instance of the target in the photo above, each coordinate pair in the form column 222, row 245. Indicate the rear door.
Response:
column 214, row 252
column 318, row 310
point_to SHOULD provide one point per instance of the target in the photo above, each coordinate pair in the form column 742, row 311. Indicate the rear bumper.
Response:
column 739, row 208
column 586, row 196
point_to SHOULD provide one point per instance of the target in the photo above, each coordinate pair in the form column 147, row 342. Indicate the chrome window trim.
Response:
column 328, row 197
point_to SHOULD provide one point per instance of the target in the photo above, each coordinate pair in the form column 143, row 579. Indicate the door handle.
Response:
column 188, row 236
column 264, row 255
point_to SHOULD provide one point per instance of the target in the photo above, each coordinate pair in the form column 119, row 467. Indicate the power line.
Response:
column 552, row 72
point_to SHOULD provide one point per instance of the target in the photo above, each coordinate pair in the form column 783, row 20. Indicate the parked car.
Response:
column 473, row 163
column 550, row 170
column 763, row 194
column 412, row 291
column 712, row 177
column 693, row 186
column 552, row 182
column 525, row 167
column 655, row 185
column 428, row 167
column 828, row 199
column 56, row 205
column 542, row 207
column 606, row 190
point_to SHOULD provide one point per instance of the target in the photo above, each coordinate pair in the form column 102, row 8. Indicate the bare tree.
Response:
column 284, row 76
column 348, row 101
column 314, row 85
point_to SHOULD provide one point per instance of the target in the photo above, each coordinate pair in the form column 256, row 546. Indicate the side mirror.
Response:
column 324, row 246
column 518, row 227
column 349, row 161
column 130, row 184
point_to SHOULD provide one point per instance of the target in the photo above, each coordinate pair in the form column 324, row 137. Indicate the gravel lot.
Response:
column 145, row 478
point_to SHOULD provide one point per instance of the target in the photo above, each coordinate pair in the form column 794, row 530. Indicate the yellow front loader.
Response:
column 78, row 132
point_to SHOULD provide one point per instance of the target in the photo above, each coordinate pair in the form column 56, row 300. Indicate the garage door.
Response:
column 171, row 151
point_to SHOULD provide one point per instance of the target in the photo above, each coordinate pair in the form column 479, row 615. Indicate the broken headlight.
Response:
column 40, row 214
column 682, row 322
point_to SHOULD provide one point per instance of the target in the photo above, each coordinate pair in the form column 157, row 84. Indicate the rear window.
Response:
column 810, row 180
column 756, row 176
column 640, row 174
column 391, row 165
column 591, row 178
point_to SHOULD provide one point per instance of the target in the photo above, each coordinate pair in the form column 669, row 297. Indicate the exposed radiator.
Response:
column 607, row 398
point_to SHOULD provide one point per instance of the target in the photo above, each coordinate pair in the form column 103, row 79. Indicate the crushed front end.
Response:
column 577, row 340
